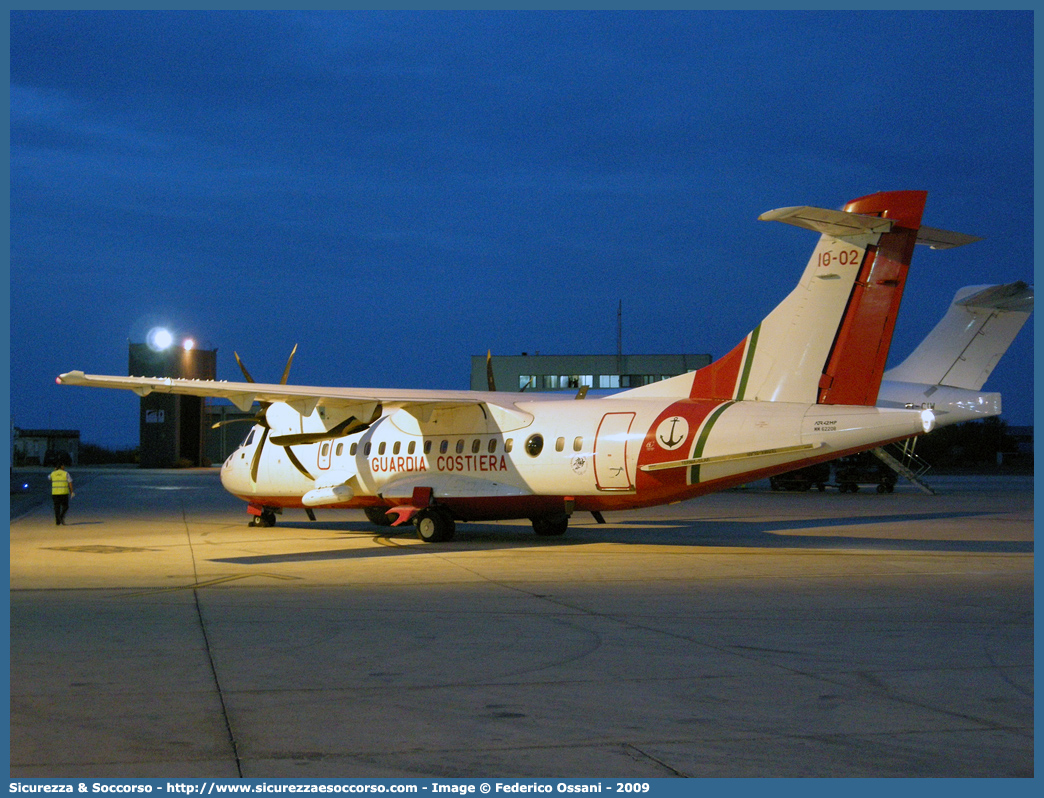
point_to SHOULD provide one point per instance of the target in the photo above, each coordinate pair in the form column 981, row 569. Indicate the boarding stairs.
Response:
column 905, row 463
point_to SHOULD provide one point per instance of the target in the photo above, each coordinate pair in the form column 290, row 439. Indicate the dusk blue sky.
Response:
column 397, row 192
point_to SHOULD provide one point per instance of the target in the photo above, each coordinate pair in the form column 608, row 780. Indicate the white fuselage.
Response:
column 598, row 454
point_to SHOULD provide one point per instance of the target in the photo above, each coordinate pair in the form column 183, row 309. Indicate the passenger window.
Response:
column 444, row 447
column 476, row 445
column 326, row 449
column 492, row 445
column 354, row 448
column 560, row 444
column 412, row 447
column 427, row 447
column 380, row 449
column 339, row 450
column 366, row 449
column 395, row 448
column 534, row 444
column 578, row 443
column 460, row 446
column 508, row 444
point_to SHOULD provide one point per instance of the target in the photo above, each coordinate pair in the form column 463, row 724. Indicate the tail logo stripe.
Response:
column 748, row 361
column 701, row 440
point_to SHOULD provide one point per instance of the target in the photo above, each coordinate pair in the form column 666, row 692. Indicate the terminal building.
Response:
column 571, row 372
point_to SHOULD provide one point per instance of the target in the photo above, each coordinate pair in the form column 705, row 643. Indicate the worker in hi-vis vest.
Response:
column 61, row 490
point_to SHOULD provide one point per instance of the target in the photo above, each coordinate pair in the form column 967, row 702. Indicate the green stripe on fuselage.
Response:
column 748, row 361
column 701, row 442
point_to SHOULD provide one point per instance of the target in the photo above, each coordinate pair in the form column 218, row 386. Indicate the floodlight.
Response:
column 159, row 338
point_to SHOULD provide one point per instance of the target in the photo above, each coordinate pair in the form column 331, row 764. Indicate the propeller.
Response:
column 347, row 427
column 261, row 420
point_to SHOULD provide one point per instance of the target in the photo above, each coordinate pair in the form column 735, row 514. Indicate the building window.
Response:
column 526, row 381
column 609, row 381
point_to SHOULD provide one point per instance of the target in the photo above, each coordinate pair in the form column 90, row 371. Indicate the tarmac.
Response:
column 747, row 633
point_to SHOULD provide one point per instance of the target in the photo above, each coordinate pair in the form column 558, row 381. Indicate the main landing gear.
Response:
column 551, row 526
column 434, row 524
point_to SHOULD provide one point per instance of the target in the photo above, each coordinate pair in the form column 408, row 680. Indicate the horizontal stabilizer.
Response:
column 1013, row 296
column 838, row 224
column 944, row 239
column 842, row 224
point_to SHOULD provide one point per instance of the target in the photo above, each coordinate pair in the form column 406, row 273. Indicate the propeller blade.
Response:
column 242, row 367
column 251, row 419
column 256, row 461
column 346, row 427
column 296, row 462
column 286, row 371
column 489, row 370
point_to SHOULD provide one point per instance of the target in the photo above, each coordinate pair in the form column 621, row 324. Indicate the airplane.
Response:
column 800, row 388
column 946, row 371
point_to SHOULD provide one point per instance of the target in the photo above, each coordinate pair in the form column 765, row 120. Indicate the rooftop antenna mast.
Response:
column 619, row 337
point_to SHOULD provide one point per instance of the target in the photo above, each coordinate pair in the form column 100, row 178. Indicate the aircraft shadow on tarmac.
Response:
column 710, row 533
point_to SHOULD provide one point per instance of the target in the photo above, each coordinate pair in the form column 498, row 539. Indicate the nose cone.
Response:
column 235, row 474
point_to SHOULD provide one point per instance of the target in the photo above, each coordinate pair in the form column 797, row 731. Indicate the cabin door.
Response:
column 610, row 452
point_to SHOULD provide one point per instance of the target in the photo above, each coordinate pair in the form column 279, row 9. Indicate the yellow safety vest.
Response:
column 59, row 482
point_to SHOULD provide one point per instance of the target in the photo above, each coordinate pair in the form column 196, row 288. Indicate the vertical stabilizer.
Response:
column 827, row 341
column 856, row 364
column 967, row 343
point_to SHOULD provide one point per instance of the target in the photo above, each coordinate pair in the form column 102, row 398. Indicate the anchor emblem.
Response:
column 672, row 432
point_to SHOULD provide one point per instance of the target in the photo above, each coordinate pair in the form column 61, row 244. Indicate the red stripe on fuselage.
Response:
column 671, row 484
column 718, row 380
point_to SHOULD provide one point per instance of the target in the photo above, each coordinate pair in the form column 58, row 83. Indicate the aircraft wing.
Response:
column 304, row 399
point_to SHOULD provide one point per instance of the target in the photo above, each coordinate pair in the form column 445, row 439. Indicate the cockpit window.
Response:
column 250, row 437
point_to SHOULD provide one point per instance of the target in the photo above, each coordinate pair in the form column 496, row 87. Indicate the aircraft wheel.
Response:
column 882, row 488
column 434, row 525
column 890, row 487
column 551, row 527
column 376, row 515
